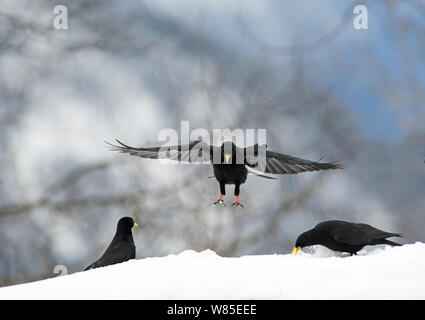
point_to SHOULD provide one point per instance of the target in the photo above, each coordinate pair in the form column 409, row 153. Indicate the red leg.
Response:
column 219, row 200
column 237, row 202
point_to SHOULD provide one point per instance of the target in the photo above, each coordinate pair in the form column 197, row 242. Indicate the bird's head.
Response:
column 126, row 224
column 228, row 152
column 303, row 240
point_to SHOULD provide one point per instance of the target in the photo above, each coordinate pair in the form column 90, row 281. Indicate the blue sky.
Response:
column 355, row 74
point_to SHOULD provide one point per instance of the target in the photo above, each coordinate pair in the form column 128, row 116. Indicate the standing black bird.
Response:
column 122, row 247
column 229, row 161
column 344, row 236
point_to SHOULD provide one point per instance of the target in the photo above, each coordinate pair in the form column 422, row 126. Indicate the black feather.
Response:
column 122, row 247
column 345, row 236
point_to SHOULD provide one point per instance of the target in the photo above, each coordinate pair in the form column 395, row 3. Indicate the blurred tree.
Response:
column 129, row 70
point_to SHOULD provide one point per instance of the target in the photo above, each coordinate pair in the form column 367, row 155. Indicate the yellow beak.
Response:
column 227, row 156
column 295, row 250
column 136, row 224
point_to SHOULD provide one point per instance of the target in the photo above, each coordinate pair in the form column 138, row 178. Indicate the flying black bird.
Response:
column 344, row 236
column 122, row 247
column 229, row 161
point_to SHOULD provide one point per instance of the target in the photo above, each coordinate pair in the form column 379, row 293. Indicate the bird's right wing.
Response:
column 195, row 151
column 116, row 254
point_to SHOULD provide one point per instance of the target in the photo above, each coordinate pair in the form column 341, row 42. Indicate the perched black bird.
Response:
column 230, row 162
column 344, row 236
column 122, row 247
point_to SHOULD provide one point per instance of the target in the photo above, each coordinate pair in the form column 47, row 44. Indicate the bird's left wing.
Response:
column 196, row 151
column 260, row 159
column 361, row 234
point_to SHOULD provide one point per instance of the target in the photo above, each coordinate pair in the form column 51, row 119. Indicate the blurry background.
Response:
column 129, row 69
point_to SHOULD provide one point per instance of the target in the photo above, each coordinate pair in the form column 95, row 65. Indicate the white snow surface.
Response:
column 377, row 273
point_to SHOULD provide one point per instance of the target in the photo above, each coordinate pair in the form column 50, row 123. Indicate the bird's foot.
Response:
column 219, row 200
column 237, row 203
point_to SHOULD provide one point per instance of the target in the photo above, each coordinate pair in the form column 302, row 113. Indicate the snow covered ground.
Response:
column 376, row 273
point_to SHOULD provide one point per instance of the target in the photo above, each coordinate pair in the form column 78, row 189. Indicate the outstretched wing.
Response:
column 361, row 234
column 195, row 151
column 258, row 158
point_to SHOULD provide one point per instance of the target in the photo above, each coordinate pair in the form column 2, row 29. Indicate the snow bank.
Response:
column 382, row 273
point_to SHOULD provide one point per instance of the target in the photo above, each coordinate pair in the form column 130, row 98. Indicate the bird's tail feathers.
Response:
column 391, row 243
column 89, row 267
